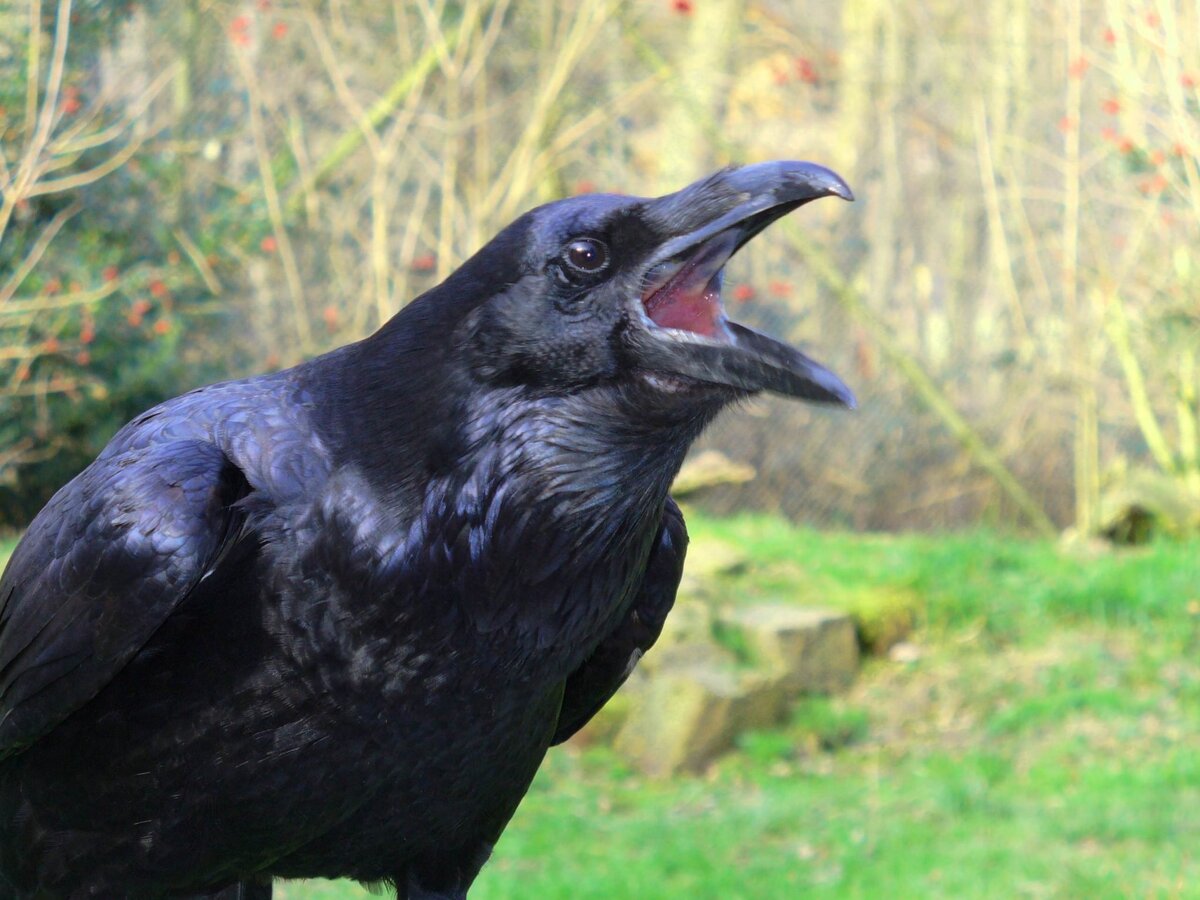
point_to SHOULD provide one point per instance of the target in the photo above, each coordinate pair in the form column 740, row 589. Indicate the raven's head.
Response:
column 603, row 288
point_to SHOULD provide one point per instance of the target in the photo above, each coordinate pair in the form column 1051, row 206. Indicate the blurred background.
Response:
column 202, row 189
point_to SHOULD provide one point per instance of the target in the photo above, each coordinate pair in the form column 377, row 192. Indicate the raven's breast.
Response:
column 453, row 781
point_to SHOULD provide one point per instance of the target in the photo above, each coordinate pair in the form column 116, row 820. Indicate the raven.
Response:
column 326, row 622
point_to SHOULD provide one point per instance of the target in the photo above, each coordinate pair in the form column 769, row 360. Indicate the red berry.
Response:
column 806, row 71
column 239, row 31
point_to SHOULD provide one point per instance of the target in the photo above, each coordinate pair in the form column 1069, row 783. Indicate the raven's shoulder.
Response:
column 264, row 425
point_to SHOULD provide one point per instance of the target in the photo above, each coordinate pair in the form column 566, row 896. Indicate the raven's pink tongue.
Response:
column 684, row 310
column 690, row 300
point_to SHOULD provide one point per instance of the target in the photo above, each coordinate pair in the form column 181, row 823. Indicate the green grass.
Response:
column 1044, row 743
column 1010, row 586
column 6, row 549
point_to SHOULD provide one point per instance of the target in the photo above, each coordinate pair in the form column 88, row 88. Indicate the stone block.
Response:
column 811, row 650
column 685, row 716
column 708, row 560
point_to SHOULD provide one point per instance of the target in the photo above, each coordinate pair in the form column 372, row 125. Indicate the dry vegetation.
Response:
column 223, row 187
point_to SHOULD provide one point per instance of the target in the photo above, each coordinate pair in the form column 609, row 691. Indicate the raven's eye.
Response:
column 587, row 255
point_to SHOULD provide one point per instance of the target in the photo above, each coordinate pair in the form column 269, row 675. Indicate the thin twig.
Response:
column 287, row 255
column 411, row 81
column 206, row 271
column 36, row 252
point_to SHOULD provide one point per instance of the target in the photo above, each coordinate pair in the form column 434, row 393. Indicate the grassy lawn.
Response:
column 1045, row 741
column 6, row 548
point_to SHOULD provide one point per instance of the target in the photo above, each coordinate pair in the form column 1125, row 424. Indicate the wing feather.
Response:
column 101, row 568
column 593, row 684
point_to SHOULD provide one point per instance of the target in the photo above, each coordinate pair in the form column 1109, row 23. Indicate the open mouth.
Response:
column 687, row 331
column 686, row 295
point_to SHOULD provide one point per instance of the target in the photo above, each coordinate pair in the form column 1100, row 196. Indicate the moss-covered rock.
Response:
column 683, row 717
column 690, row 622
column 709, row 560
column 807, row 649
column 883, row 616
column 691, row 697
column 1142, row 503
column 709, row 468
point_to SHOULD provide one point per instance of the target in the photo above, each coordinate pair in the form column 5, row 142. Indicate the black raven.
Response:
column 327, row 621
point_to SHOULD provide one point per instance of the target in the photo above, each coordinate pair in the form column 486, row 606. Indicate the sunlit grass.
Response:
column 6, row 548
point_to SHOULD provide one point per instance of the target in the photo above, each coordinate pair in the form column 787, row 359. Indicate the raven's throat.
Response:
column 685, row 295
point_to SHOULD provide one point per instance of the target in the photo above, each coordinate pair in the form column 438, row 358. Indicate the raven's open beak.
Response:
column 686, row 332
